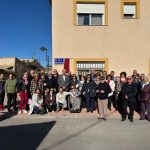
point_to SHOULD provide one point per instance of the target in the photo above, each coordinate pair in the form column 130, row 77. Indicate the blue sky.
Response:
column 25, row 26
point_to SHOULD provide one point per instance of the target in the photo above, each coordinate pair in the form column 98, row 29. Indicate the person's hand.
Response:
column 97, row 91
column 40, row 107
column 45, row 84
column 126, row 97
column 102, row 91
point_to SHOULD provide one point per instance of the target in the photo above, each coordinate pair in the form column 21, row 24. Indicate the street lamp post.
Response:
column 47, row 57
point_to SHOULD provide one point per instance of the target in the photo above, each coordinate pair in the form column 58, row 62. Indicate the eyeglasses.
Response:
column 129, row 78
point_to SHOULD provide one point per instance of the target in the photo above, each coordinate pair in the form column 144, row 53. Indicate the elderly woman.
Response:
column 145, row 100
column 11, row 90
column 75, row 100
column 23, row 89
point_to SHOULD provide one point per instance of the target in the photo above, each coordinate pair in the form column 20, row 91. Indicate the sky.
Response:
column 25, row 26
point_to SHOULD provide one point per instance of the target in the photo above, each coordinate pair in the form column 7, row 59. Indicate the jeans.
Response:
column 90, row 101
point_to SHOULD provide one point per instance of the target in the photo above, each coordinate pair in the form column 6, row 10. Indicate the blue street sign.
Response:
column 59, row 61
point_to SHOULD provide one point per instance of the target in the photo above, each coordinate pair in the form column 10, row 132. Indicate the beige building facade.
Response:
column 101, row 35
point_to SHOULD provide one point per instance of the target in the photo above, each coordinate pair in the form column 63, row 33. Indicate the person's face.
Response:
column 142, row 76
column 98, row 78
column 93, row 71
column 42, row 77
column 1, row 76
column 63, row 71
column 134, row 72
column 46, row 91
column 55, row 71
column 25, row 74
column 104, row 73
column 36, row 77
column 109, row 78
column 37, row 91
column 74, row 77
column 51, row 90
column 112, row 73
column 61, row 90
column 102, row 81
column 10, row 76
column 82, row 78
column 118, row 79
column 129, row 80
column 146, row 79
column 42, row 71
column 32, row 72
column 50, row 73
column 88, row 78
column 122, row 75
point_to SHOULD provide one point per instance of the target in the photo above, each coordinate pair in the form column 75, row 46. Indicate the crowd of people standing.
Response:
column 42, row 92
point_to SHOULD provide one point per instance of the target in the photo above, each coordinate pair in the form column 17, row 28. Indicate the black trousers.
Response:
column 50, row 107
column 2, row 96
column 11, row 100
column 131, row 106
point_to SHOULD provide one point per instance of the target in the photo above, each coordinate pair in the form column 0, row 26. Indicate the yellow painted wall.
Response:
column 125, row 42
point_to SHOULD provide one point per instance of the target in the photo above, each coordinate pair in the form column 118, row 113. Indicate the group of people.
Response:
column 47, row 92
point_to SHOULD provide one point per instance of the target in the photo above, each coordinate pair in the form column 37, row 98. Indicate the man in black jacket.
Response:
column 129, row 91
column 103, row 89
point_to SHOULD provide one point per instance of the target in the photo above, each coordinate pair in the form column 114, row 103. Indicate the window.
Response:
column 83, row 19
column 90, row 19
column 90, row 14
column 130, row 9
column 97, row 19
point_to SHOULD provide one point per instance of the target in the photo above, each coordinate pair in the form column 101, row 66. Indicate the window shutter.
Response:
column 91, row 8
column 129, row 9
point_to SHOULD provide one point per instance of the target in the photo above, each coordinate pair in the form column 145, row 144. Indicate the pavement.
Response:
column 72, row 131
column 73, row 134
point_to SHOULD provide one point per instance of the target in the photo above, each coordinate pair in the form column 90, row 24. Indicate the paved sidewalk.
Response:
column 64, row 114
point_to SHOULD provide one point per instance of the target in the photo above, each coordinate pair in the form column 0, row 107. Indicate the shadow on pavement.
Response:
column 7, row 115
column 24, row 137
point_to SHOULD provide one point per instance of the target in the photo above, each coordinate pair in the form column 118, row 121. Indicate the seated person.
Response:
column 36, row 103
column 61, row 98
column 50, row 100
column 75, row 100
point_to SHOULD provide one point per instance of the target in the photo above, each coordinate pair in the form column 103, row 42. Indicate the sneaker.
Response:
column 20, row 112
column 25, row 112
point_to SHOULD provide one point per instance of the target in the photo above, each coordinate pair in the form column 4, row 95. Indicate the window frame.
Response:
column 130, row 2
column 75, row 2
column 90, row 20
